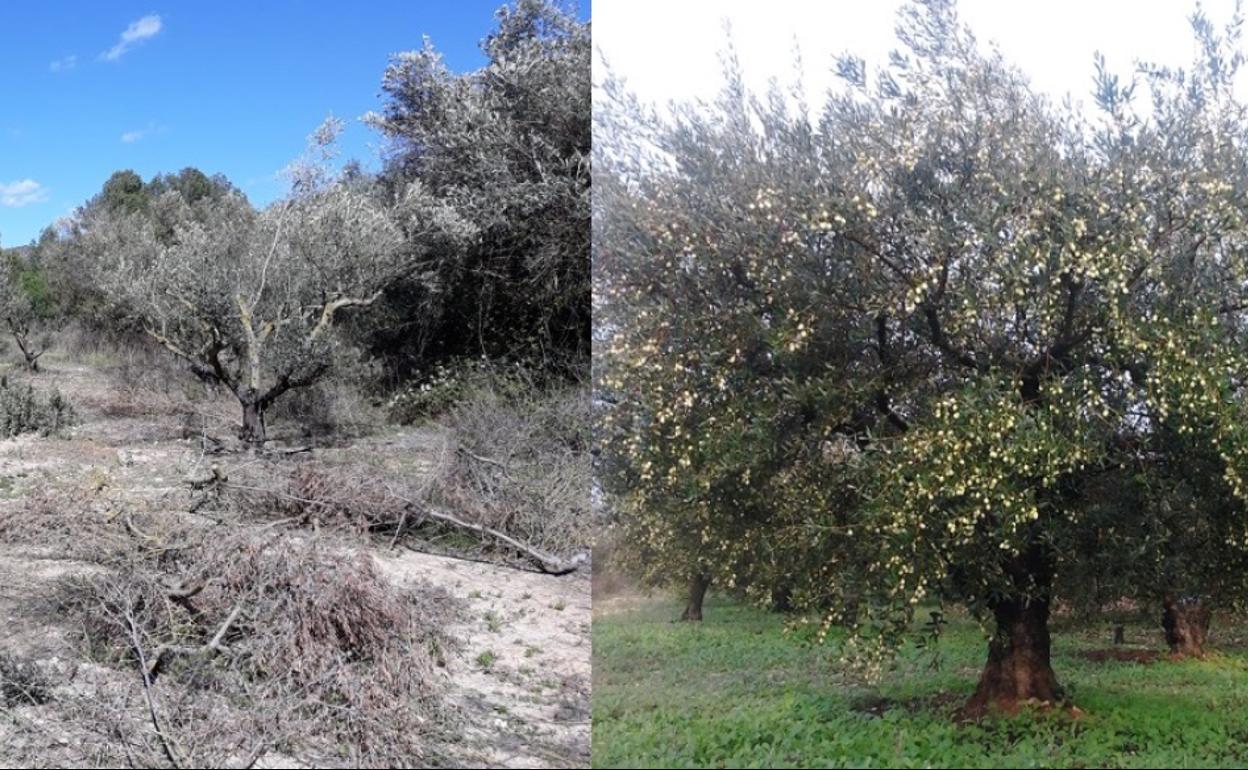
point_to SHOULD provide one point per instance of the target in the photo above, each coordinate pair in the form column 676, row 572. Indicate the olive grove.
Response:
column 939, row 342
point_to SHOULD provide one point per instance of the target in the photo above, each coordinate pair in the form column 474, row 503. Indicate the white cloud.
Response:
column 22, row 193
column 146, row 27
column 130, row 137
column 64, row 64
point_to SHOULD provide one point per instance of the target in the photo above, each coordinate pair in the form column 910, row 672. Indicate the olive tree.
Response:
column 506, row 146
column 22, row 321
column 249, row 299
column 24, row 307
column 934, row 329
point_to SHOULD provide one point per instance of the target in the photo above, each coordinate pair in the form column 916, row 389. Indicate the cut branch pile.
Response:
column 299, row 638
column 314, row 496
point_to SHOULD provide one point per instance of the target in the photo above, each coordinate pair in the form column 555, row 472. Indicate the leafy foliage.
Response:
column 23, row 410
column 507, row 148
column 920, row 347
column 443, row 386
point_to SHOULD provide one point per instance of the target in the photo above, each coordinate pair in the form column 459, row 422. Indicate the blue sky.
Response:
column 87, row 88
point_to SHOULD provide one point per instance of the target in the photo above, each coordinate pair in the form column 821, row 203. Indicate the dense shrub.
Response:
column 22, row 410
column 440, row 389
column 22, row 683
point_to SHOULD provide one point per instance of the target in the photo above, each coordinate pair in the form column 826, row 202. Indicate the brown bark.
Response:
column 697, row 592
column 1186, row 625
column 1019, row 668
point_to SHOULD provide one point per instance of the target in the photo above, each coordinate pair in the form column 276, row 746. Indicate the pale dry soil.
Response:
column 519, row 677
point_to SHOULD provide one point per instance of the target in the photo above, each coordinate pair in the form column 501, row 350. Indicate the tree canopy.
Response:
column 507, row 147
column 919, row 348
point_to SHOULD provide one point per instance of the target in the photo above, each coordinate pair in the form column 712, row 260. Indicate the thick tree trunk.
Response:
column 1186, row 624
column 253, row 431
column 1018, row 667
column 697, row 592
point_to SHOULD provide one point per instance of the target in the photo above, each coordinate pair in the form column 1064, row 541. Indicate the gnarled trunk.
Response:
column 697, row 592
column 253, row 431
column 1019, row 667
column 29, row 353
column 1186, row 624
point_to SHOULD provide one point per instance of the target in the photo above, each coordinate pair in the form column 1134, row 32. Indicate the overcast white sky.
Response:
column 668, row 49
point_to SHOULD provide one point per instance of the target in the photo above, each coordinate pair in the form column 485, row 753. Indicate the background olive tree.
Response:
column 27, row 308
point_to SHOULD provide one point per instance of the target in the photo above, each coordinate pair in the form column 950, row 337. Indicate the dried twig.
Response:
column 165, row 742
column 214, row 647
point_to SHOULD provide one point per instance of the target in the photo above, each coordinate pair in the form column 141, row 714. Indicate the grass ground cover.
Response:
column 738, row 691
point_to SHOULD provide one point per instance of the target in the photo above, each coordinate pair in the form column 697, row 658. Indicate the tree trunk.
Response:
column 253, row 431
column 697, row 592
column 28, row 352
column 1018, row 667
column 1186, row 624
column 782, row 598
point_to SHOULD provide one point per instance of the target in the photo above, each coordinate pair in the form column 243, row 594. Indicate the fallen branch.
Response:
column 481, row 459
column 166, row 744
column 548, row 563
column 134, row 530
column 298, row 450
column 213, row 648
column 213, row 479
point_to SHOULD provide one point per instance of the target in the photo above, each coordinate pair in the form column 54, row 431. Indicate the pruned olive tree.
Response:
column 950, row 321
column 249, row 299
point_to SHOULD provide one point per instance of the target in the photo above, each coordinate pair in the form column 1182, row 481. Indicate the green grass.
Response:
column 737, row 691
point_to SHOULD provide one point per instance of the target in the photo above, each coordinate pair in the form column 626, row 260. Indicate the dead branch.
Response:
column 186, row 591
column 298, row 450
column 479, row 458
column 166, row 744
column 547, row 563
column 134, row 531
column 550, row 564
column 212, row 480
column 214, row 647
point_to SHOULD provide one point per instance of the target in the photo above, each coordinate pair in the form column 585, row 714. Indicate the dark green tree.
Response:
column 508, row 147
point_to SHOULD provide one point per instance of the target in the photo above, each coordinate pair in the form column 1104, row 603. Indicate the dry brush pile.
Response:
column 263, row 643
column 505, row 478
column 228, row 645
